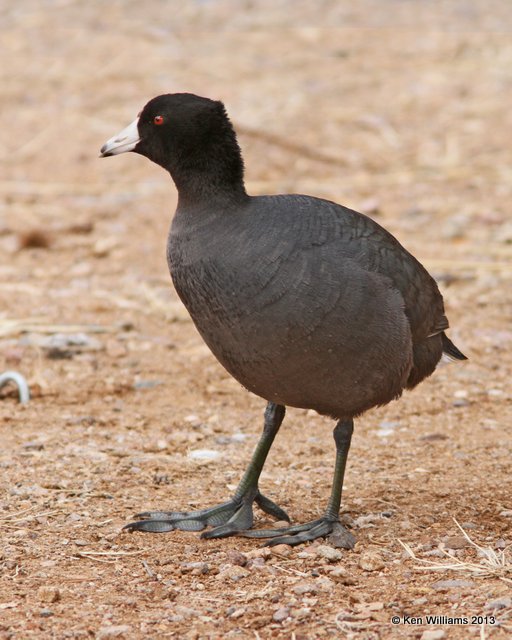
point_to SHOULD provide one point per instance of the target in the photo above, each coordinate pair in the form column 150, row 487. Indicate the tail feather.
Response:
column 451, row 350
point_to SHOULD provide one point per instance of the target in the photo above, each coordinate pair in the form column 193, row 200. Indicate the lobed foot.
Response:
column 297, row 534
column 229, row 518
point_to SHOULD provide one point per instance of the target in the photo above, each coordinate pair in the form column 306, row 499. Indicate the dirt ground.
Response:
column 398, row 108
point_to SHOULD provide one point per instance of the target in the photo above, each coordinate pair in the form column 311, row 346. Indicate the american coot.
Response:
column 305, row 302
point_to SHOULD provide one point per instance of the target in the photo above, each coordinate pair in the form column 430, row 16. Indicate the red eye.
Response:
column 158, row 120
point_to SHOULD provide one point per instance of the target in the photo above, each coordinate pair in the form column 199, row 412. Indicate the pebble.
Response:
column 236, row 557
column 281, row 614
column 260, row 552
column 301, row 614
column 499, row 603
column 114, row 631
column 456, row 542
column 329, row 553
column 186, row 612
column 195, row 568
column 302, row 588
column 445, row 585
column 504, row 233
column 282, row 549
column 371, row 561
column 232, row 572
column 80, row 542
column 47, row 593
column 340, row 575
column 370, row 207
column 324, row 584
column 46, row 613
column 255, row 563
column 204, row 454
column 104, row 246
column 433, row 634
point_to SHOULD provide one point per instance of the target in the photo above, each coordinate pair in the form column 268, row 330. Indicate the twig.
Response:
column 148, row 569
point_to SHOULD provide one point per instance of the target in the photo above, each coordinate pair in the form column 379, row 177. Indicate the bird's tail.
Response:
column 451, row 350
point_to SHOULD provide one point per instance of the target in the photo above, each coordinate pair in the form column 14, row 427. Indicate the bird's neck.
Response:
column 212, row 175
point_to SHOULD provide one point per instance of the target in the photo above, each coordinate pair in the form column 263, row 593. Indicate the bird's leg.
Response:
column 329, row 523
column 236, row 514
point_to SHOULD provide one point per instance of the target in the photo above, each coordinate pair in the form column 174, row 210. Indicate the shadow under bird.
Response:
column 305, row 302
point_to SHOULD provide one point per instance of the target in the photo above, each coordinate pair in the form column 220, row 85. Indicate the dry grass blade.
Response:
column 116, row 554
column 107, row 557
column 10, row 516
column 27, row 518
column 492, row 563
column 14, row 327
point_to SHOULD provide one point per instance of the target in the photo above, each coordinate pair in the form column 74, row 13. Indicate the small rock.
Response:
column 232, row 572
column 80, row 543
column 236, row 557
column 329, row 553
column 368, row 608
column 34, row 239
column 504, row 233
column 456, row 542
column 302, row 614
column 371, row 561
column 33, row 445
column 114, row 631
column 302, row 588
column 433, row 634
column 446, row 585
column 46, row 613
column 370, row 207
column 499, row 603
column 104, row 246
column 260, row 552
column 455, row 227
column 280, row 524
column 186, row 612
column 195, row 568
column 339, row 574
column 204, row 454
column 282, row 550
column 281, row 614
column 256, row 563
column 47, row 593
column 417, row 602
column 436, row 553
column 506, row 514
column 324, row 584
column 115, row 349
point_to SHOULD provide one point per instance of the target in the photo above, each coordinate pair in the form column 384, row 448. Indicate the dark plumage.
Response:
column 305, row 302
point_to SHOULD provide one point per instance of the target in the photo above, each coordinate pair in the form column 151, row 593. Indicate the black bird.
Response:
column 305, row 302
